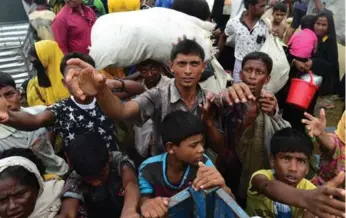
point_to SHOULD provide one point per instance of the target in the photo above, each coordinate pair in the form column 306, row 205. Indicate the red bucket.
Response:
column 301, row 92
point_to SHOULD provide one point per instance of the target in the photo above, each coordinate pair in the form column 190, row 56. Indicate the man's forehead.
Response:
column 6, row 88
column 188, row 57
column 255, row 64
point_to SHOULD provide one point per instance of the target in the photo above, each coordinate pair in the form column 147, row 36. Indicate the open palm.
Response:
column 315, row 126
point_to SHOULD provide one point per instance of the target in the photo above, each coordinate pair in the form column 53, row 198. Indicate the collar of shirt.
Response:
column 83, row 12
column 85, row 106
column 241, row 20
column 175, row 95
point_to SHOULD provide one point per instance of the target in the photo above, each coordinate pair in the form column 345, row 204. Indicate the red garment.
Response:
column 72, row 29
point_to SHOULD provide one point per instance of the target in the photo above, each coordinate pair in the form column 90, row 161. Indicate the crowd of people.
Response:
column 120, row 142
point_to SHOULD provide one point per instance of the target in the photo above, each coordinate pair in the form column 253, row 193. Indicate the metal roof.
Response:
column 15, row 42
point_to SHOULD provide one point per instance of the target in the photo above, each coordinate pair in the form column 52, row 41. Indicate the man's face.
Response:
column 278, row 16
column 73, row 3
column 12, row 97
column 151, row 73
column 255, row 74
column 290, row 167
column 258, row 9
column 187, row 70
column 190, row 150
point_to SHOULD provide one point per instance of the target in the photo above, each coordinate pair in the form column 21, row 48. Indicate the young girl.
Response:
column 303, row 43
column 332, row 146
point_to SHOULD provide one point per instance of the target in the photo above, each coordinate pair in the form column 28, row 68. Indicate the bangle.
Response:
column 123, row 88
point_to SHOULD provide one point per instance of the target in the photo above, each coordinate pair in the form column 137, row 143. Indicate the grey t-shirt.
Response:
column 38, row 141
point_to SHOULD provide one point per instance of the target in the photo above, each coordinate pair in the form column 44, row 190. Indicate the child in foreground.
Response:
column 278, row 26
column 103, row 182
column 283, row 191
column 332, row 146
column 184, row 164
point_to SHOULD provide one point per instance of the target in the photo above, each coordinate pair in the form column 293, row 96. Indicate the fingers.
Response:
column 201, row 164
column 337, row 193
column 309, row 116
column 79, row 62
column 323, row 116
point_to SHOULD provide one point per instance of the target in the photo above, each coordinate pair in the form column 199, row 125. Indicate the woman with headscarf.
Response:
column 323, row 63
column 23, row 192
column 46, row 57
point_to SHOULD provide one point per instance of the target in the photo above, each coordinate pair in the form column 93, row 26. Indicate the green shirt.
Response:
column 98, row 4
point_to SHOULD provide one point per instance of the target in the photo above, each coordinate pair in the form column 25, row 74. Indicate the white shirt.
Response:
column 245, row 40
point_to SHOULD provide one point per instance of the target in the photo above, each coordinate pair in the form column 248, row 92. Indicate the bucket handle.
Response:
column 311, row 77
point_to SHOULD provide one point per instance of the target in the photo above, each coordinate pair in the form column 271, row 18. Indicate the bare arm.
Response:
column 131, row 88
column 132, row 196
column 217, row 138
column 317, row 200
column 69, row 208
column 114, row 108
column 221, row 43
column 29, row 122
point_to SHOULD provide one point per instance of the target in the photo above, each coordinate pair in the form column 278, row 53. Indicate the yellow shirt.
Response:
column 260, row 205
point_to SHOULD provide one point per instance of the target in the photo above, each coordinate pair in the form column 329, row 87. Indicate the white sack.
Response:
column 127, row 38
column 281, row 67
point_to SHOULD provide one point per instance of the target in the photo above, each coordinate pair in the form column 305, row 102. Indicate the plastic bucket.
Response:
column 301, row 92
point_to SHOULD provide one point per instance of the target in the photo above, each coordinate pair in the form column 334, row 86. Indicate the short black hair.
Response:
column 40, row 2
column 28, row 154
column 179, row 125
column 88, row 154
column 291, row 140
column 83, row 57
column 257, row 55
column 196, row 8
column 247, row 3
column 187, row 47
column 308, row 22
column 6, row 80
column 280, row 6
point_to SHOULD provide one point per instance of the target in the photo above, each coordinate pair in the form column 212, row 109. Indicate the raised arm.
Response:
column 317, row 201
column 86, row 81
column 23, row 120
column 125, row 88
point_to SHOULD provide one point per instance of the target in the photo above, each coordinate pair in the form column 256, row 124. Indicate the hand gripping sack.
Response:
column 127, row 38
column 281, row 67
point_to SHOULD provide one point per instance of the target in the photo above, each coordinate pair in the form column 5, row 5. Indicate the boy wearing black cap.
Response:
column 183, row 164
column 283, row 191
column 106, row 182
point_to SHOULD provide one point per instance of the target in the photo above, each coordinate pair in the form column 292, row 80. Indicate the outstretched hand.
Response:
column 314, row 125
column 237, row 93
column 324, row 200
column 82, row 79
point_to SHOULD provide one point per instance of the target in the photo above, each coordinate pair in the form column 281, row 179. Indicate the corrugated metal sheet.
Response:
column 15, row 42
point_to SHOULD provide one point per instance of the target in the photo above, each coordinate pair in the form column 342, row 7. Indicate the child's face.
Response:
column 255, row 74
column 278, row 16
column 190, row 150
column 290, row 168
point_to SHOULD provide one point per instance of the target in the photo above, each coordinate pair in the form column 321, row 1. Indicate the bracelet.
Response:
column 123, row 88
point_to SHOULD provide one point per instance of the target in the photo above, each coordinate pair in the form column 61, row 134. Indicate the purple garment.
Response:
column 301, row 6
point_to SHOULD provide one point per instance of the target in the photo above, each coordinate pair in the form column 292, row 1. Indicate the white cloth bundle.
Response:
column 127, row 38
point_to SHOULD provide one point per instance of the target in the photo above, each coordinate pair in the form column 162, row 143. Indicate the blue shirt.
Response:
column 153, row 180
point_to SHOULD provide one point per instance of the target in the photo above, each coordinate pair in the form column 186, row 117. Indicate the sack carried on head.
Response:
column 127, row 38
